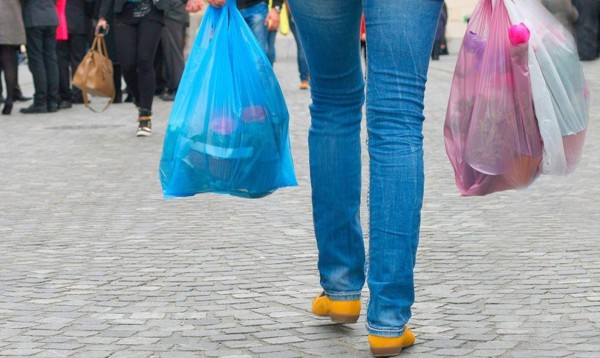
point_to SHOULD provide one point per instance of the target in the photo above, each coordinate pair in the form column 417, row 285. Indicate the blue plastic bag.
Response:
column 228, row 130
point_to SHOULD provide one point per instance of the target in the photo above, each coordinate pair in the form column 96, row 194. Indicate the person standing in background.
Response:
column 71, row 51
column 262, row 20
column 172, row 42
column 138, row 25
column 12, row 34
column 302, row 65
column 565, row 12
column 440, row 34
column 41, row 20
column 111, row 48
column 588, row 29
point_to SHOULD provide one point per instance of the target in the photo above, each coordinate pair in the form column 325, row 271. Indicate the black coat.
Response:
column 177, row 11
column 117, row 6
column 39, row 13
column 78, row 16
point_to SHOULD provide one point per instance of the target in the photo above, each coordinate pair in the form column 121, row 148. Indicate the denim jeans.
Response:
column 400, row 38
column 302, row 66
column 255, row 16
column 271, row 54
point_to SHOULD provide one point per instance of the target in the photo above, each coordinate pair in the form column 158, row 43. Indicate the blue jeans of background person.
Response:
column 400, row 38
column 302, row 66
column 271, row 54
column 255, row 16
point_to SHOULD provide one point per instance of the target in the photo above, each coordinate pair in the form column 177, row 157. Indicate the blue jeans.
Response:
column 255, row 17
column 271, row 54
column 302, row 66
column 400, row 38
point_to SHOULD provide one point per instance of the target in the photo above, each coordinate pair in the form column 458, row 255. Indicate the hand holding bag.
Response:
column 95, row 73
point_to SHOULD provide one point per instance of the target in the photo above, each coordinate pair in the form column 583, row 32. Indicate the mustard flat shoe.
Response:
column 337, row 311
column 391, row 346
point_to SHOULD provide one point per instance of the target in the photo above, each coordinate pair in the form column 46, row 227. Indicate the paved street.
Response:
column 95, row 263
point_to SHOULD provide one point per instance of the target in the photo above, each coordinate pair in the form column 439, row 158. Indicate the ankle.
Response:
column 144, row 115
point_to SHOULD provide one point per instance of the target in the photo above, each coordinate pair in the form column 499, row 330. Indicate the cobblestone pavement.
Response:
column 94, row 263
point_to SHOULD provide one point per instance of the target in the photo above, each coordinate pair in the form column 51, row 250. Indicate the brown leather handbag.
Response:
column 95, row 73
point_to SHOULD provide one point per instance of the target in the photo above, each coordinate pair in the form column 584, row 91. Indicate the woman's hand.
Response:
column 194, row 5
column 272, row 20
column 216, row 3
column 102, row 24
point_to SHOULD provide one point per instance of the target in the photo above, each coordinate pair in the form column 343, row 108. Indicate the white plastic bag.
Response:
column 560, row 91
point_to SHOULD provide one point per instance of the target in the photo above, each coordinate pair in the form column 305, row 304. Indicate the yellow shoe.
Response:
column 303, row 85
column 338, row 311
column 391, row 346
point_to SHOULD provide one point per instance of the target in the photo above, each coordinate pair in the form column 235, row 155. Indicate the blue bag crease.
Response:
column 228, row 129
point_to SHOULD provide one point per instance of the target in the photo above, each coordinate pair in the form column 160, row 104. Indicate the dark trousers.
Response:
column 41, row 52
column 136, row 46
column 172, row 39
column 69, row 53
column 9, row 64
column 436, row 50
column 588, row 28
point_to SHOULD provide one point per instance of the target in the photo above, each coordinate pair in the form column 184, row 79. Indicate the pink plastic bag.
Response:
column 491, row 133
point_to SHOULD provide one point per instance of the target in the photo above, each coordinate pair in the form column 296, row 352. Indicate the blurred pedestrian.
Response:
column 111, row 48
column 588, row 29
column 440, row 34
column 41, row 20
column 565, row 12
column 138, row 26
column 12, row 34
column 300, row 58
column 397, row 66
column 172, row 42
column 262, row 19
column 71, row 50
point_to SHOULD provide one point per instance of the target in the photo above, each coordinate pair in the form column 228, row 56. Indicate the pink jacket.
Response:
column 62, row 32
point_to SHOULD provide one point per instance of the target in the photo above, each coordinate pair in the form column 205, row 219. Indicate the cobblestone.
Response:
column 94, row 263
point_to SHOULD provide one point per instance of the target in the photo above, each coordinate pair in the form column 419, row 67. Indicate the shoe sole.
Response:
column 143, row 134
column 343, row 318
column 386, row 352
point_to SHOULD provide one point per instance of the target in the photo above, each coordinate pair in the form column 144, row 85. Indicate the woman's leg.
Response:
column 51, row 66
column 302, row 66
column 148, row 39
column 8, row 57
column 329, row 32
column 126, row 39
column 397, row 72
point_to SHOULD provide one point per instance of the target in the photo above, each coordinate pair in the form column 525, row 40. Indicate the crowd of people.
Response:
column 57, row 34
column 145, row 41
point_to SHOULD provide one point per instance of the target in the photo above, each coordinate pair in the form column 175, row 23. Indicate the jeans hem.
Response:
column 342, row 296
column 386, row 332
